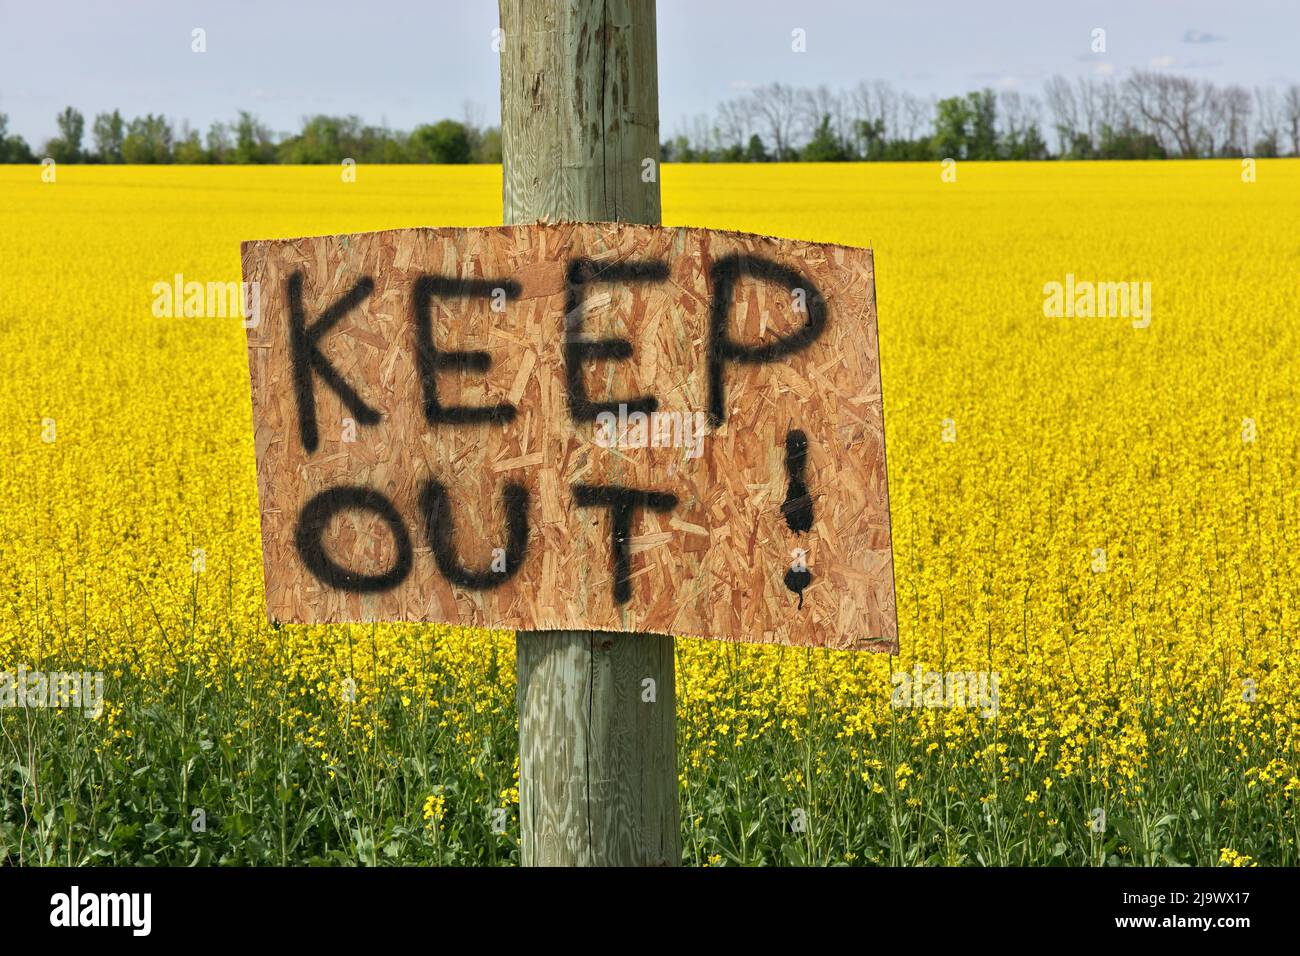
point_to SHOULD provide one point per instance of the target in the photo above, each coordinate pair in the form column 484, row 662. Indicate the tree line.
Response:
column 322, row 139
column 1148, row 115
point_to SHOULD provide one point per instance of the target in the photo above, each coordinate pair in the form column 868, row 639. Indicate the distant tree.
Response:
column 1076, row 111
column 13, row 149
column 1144, row 115
column 1173, row 106
column 443, row 142
column 824, row 117
column 871, row 138
column 324, row 139
column 1079, row 146
column 983, row 135
column 1018, row 118
column 682, row 150
column 188, row 149
column 253, row 143
column 218, row 142
column 917, row 116
column 876, row 111
column 1291, row 115
column 776, row 106
column 66, row 147
column 952, row 127
column 1230, row 111
column 109, row 130
column 489, row 146
column 825, row 146
column 1268, row 141
column 1128, row 142
column 72, row 127
column 1268, row 146
column 1033, row 145
column 735, row 124
column 391, row 148
column 148, row 140
column 911, row 151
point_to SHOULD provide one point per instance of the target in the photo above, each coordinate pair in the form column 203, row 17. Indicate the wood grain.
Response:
column 598, row 744
column 579, row 110
column 576, row 158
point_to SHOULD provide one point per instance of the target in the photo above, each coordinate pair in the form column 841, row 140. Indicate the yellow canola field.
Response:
column 1103, row 511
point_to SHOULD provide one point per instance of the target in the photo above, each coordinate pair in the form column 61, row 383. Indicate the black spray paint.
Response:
column 577, row 350
column 797, row 507
column 432, row 361
column 435, row 503
column 308, row 359
column 723, row 349
column 622, row 504
column 316, row 516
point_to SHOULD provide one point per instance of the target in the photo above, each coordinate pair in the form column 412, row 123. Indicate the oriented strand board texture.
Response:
column 772, row 526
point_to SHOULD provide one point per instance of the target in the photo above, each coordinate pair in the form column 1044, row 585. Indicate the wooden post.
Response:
column 580, row 141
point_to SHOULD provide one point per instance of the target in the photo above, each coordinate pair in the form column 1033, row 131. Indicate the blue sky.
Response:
column 407, row 62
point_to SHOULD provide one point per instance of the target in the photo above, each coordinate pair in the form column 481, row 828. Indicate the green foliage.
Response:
column 253, row 142
column 983, row 141
column 330, row 139
column 489, row 146
column 66, row 147
column 148, row 140
column 952, row 128
column 871, row 138
column 1026, row 144
column 109, row 132
column 189, row 150
column 825, row 146
column 1079, row 147
column 444, row 142
column 963, row 127
column 13, row 149
column 323, row 139
column 909, row 151
column 212, row 773
column 1128, row 143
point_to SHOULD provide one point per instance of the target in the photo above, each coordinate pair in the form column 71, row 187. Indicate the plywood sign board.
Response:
column 573, row 426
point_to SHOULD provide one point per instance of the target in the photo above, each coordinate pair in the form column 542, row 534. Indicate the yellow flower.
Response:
column 1230, row 857
column 434, row 807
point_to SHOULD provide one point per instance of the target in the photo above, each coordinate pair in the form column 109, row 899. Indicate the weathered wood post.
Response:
column 580, row 141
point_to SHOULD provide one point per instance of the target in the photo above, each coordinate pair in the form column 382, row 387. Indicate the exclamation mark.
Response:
column 797, row 507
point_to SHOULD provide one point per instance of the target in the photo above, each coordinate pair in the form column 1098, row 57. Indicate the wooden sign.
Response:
column 573, row 426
